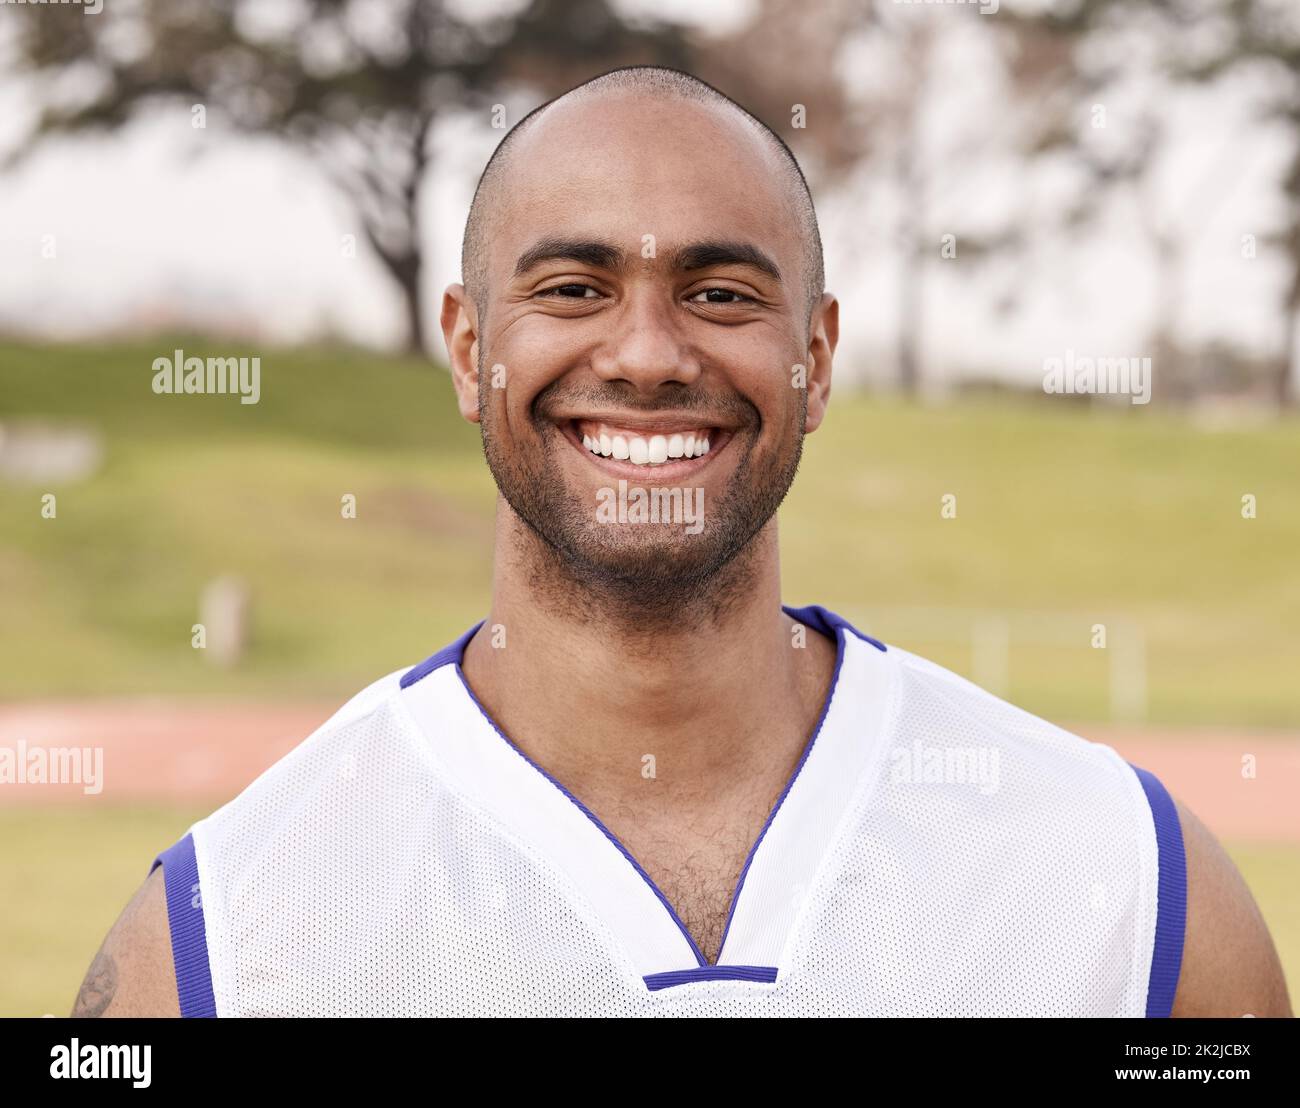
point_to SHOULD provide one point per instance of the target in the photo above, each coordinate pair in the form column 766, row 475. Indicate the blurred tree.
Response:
column 356, row 84
column 1265, row 36
column 1091, row 48
column 866, row 79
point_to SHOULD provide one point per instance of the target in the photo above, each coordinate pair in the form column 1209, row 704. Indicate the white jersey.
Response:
column 937, row 852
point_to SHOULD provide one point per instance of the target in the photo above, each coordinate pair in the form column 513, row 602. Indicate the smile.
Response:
column 680, row 448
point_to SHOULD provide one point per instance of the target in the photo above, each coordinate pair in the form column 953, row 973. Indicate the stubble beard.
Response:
column 638, row 578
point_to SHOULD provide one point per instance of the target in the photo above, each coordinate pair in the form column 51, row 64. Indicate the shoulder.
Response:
column 132, row 973
column 937, row 702
column 328, row 750
column 348, row 766
column 1230, row 966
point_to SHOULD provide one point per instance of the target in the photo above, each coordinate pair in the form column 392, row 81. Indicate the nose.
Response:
column 647, row 348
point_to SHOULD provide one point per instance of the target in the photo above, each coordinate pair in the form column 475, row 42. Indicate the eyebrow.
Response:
column 702, row 255
column 604, row 255
column 600, row 255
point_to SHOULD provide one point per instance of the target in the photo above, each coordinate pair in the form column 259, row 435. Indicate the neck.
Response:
column 588, row 693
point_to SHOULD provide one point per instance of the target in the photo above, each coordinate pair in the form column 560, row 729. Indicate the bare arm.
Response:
column 133, row 975
column 1230, row 966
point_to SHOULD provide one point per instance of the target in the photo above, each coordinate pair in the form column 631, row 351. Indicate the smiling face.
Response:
column 646, row 307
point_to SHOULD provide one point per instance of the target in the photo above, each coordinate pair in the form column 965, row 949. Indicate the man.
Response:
column 641, row 785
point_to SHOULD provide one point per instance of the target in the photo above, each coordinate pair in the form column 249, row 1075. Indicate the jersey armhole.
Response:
column 188, row 930
column 1171, row 897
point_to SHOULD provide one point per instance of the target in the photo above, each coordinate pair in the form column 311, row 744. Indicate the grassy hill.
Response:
column 1066, row 517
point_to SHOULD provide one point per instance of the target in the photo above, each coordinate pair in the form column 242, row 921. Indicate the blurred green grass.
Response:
column 1084, row 515
column 66, row 873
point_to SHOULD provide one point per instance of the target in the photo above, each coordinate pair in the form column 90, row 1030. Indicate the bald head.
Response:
column 658, row 86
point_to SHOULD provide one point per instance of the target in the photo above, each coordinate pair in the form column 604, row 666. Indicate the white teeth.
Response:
column 654, row 450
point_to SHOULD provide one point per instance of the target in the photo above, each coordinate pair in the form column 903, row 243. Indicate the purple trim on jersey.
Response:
column 814, row 615
column 763, row 974
column 189, row 936
column 452, row 652
column 817, row 617
column 590, row 815
column 1171, row 897
column 828, row 623
column 832, row 626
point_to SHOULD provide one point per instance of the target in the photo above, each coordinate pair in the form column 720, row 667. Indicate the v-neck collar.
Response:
column 547, row 818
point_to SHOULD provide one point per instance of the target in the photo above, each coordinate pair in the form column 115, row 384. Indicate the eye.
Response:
column 739, row 298
column 569, row 292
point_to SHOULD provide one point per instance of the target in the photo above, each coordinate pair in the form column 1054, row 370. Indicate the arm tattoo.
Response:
column 98, row 989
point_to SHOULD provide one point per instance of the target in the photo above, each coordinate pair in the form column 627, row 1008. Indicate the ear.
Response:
column 459, row 321
column 825, row 333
